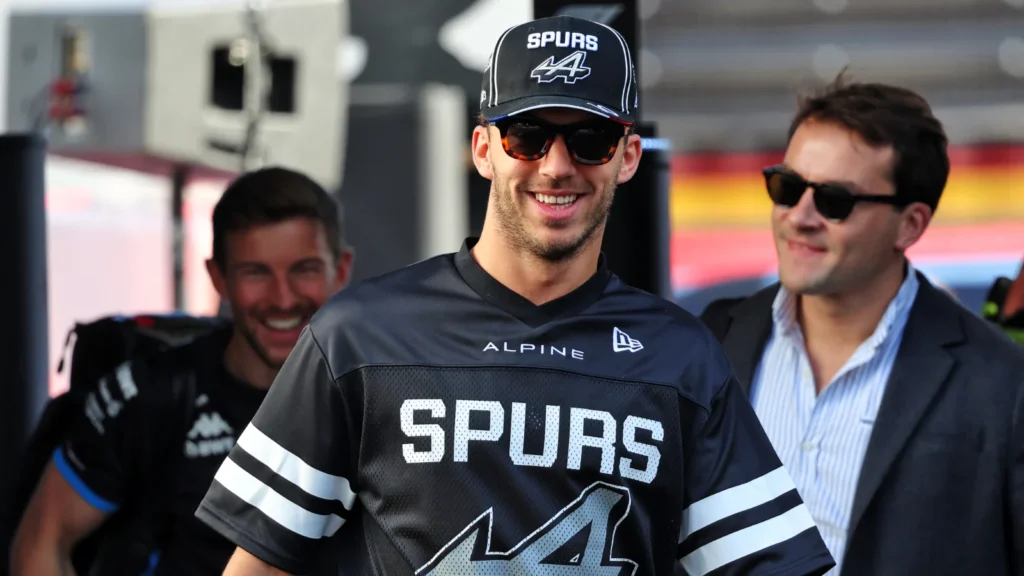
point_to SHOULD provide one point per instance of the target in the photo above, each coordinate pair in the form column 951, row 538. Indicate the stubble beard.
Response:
column 516, row 229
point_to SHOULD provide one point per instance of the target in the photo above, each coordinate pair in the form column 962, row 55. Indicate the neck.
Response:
column 533, row 278
column 844, row 321
column 244, row 364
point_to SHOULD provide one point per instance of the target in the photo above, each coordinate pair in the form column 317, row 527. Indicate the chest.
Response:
column 192, row 547
column 516, row 452
column 521, row 420
column 821, row 438
column 216, row 423
column 836, row 395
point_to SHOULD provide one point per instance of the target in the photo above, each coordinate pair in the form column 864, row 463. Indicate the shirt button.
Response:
column 808, row 446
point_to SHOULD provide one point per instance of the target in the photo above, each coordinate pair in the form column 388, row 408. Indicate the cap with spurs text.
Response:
column 564, row 62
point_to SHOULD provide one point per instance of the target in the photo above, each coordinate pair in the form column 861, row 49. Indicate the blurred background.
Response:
column 150, row 108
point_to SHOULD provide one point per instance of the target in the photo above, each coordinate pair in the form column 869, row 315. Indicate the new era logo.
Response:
column 621, row 342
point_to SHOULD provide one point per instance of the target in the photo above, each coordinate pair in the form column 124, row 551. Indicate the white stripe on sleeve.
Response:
column 275, row 506
column 735, row 500
column 747, row 541
column 294, row 469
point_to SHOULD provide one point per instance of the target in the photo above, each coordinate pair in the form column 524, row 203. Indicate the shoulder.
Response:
column 986, row 381
column 688, row 354
column 366, row 315
column 720, row 308
column 151, row 377
column 200, row 353
column 760, row 301
column 986, row 345
column 367, row 298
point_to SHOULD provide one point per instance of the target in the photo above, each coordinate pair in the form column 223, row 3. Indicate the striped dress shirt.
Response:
column 821, row 439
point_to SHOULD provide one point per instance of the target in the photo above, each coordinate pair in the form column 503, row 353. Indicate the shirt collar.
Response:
column 785, row 319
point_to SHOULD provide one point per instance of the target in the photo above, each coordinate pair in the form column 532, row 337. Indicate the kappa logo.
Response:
column 577, row 541
column 210, row 436
column 621, row 342
column 209, row 425
column 569, row 69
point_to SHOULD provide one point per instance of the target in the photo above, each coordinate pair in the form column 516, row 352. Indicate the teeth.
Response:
column 283, row 323
column 556, row 200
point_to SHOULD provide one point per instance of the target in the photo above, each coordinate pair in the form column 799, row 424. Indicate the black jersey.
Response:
column 460, row 430
column 117, row 437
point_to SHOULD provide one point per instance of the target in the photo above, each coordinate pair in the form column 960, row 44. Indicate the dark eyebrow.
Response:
column 249, row 264
column 255, row 265
column 308, row 262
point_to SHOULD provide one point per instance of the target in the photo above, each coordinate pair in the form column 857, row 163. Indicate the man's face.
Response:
column 533, row 199
column 275, row 277
column 818, row 256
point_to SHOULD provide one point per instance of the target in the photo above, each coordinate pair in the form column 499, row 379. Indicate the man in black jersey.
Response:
column 513, row 408
column 278, row 254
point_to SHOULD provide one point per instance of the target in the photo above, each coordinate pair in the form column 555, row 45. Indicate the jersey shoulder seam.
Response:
column 323, row 356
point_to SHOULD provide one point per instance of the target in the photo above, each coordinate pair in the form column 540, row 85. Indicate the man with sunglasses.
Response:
column 513, row 408
column 899, row 413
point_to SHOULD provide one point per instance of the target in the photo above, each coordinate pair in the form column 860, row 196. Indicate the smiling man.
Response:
column 899, row 413
column 278, row 255
column 513, row 408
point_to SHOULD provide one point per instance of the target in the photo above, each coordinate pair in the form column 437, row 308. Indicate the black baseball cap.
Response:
column 563, row 62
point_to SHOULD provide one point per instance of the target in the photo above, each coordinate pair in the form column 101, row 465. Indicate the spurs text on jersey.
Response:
column 622, row 448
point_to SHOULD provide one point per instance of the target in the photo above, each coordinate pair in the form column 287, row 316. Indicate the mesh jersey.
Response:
column 455, row 429
column 119, row 436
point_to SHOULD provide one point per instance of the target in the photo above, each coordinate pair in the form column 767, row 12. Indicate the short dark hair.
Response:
column 883, row 115
column 272, row 195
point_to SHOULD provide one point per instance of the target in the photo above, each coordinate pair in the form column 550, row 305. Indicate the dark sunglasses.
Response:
column 832, row 201
column 593, row 142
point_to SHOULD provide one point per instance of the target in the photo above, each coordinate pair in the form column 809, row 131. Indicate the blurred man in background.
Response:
column 278, row 255
column 513, row 408
column 899, row 414
column 1005, row 306
column 1014, row 304
column 1013, row 307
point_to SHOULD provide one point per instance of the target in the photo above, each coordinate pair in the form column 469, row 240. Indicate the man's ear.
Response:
column 631, row 153
column 343, row 268
column 481, row 152
column 217, row 278
column 914, row 220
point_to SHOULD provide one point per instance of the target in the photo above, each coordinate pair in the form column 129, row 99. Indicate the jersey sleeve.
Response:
column 742, row 513
column 285, row 487
column 96, row 458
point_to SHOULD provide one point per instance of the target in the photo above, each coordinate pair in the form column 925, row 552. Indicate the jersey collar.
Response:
column 499, row 295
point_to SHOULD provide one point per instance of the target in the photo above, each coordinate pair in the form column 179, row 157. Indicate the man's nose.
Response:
column 557, row 163
column 805, row 214
column 284, row 296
